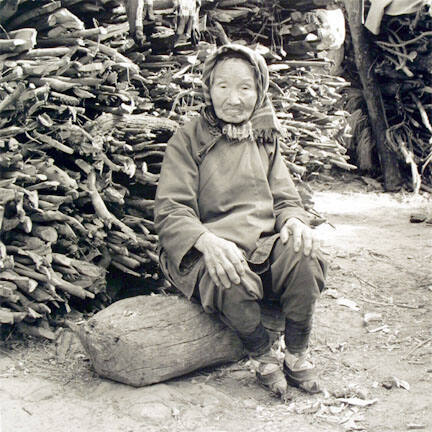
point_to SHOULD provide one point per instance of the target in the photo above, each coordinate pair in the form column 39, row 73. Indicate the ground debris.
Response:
column 419, row 345
column 351, row 304
column 355, row 401
column 413, row 426
column 371, row 317
column 345, row 407
column 393, row 381
column 333, row 293
column 418, row 217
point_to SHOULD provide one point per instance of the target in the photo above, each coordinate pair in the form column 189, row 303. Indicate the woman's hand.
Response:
column 303, row 237
column 223, row 259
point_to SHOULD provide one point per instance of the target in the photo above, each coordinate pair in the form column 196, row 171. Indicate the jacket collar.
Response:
column 207, row 136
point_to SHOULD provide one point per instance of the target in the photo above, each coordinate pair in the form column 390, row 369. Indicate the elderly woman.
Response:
column 231, row 224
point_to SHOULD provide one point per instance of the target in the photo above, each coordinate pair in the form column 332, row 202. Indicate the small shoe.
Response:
column 300, row 372
column 269, row 374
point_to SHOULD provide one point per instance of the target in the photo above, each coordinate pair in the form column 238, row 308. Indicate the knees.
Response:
column 249, row 289
column 300, row 282
column 240, row 309
column 286, row 253
column 295, row 267
column 313, row 269
column 236, row 294
column 219, row 299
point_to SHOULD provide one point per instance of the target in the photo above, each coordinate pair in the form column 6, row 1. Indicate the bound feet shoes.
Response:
column 269, row 373
column 300, row 372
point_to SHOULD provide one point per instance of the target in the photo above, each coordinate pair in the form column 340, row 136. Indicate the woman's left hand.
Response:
column 303, row 237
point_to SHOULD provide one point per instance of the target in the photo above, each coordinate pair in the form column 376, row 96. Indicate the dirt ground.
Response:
column 372, row 342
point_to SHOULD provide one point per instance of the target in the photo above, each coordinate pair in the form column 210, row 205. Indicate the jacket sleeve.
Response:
column 176, row 206
column 286, row 199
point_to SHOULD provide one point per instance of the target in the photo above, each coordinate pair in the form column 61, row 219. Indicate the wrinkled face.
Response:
column 233, row 90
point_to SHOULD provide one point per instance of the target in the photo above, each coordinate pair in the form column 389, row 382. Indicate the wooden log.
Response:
column 372, row 95
column 148, row 339
column 131, row 122
column 46, row 233
column 36, row 330
column 9, row 317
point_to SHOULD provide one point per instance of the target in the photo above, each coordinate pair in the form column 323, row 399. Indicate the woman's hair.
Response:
column 228, row 56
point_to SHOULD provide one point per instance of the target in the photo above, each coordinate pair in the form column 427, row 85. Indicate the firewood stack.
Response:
column 400, row 45
column 85, row 115
column 403, row 66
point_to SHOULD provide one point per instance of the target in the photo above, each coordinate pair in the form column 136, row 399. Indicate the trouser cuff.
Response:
column 297, row 335
column 257, row 342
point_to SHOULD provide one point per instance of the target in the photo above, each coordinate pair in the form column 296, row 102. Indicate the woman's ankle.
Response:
column 298, row 360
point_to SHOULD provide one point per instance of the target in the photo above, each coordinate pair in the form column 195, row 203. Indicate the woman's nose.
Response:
column 234, row 97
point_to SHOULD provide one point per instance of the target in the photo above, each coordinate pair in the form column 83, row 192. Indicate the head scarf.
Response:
column 263, row 123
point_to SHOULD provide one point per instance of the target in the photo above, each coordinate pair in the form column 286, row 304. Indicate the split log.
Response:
column 148, row 339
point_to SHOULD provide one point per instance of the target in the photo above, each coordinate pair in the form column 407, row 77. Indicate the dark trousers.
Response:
column 292, row 280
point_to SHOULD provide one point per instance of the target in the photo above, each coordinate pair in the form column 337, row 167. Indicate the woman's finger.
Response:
column 243, row 266
column 316, row 246
column 231, row 272
column 238, row 261
column 297, row 237
column 307, row 242
column 284, row 234
column 238, row 266
column 223, row 278
column 214, row 277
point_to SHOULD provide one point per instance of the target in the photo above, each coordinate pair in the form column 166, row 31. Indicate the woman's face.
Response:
column 233, row 90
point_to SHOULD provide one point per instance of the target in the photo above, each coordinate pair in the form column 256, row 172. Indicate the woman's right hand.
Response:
column 223, row 259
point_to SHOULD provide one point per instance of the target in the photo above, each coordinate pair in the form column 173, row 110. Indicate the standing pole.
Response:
column 372, row 95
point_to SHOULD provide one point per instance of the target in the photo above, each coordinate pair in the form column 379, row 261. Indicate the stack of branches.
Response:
column 307, row 97
column 73, row 164
column 291, row 28
column 296, row 42
column 307, row 103
column 403, row 64
column 85, row 116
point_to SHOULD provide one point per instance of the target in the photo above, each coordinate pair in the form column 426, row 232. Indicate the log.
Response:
column 372, row 95
column 148, row 339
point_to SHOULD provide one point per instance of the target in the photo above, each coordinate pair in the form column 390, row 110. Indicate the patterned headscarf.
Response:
column 263, row 123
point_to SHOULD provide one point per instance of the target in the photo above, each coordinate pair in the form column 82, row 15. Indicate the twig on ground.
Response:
column 419, row 345
column 365, row 281
column 401, row 305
